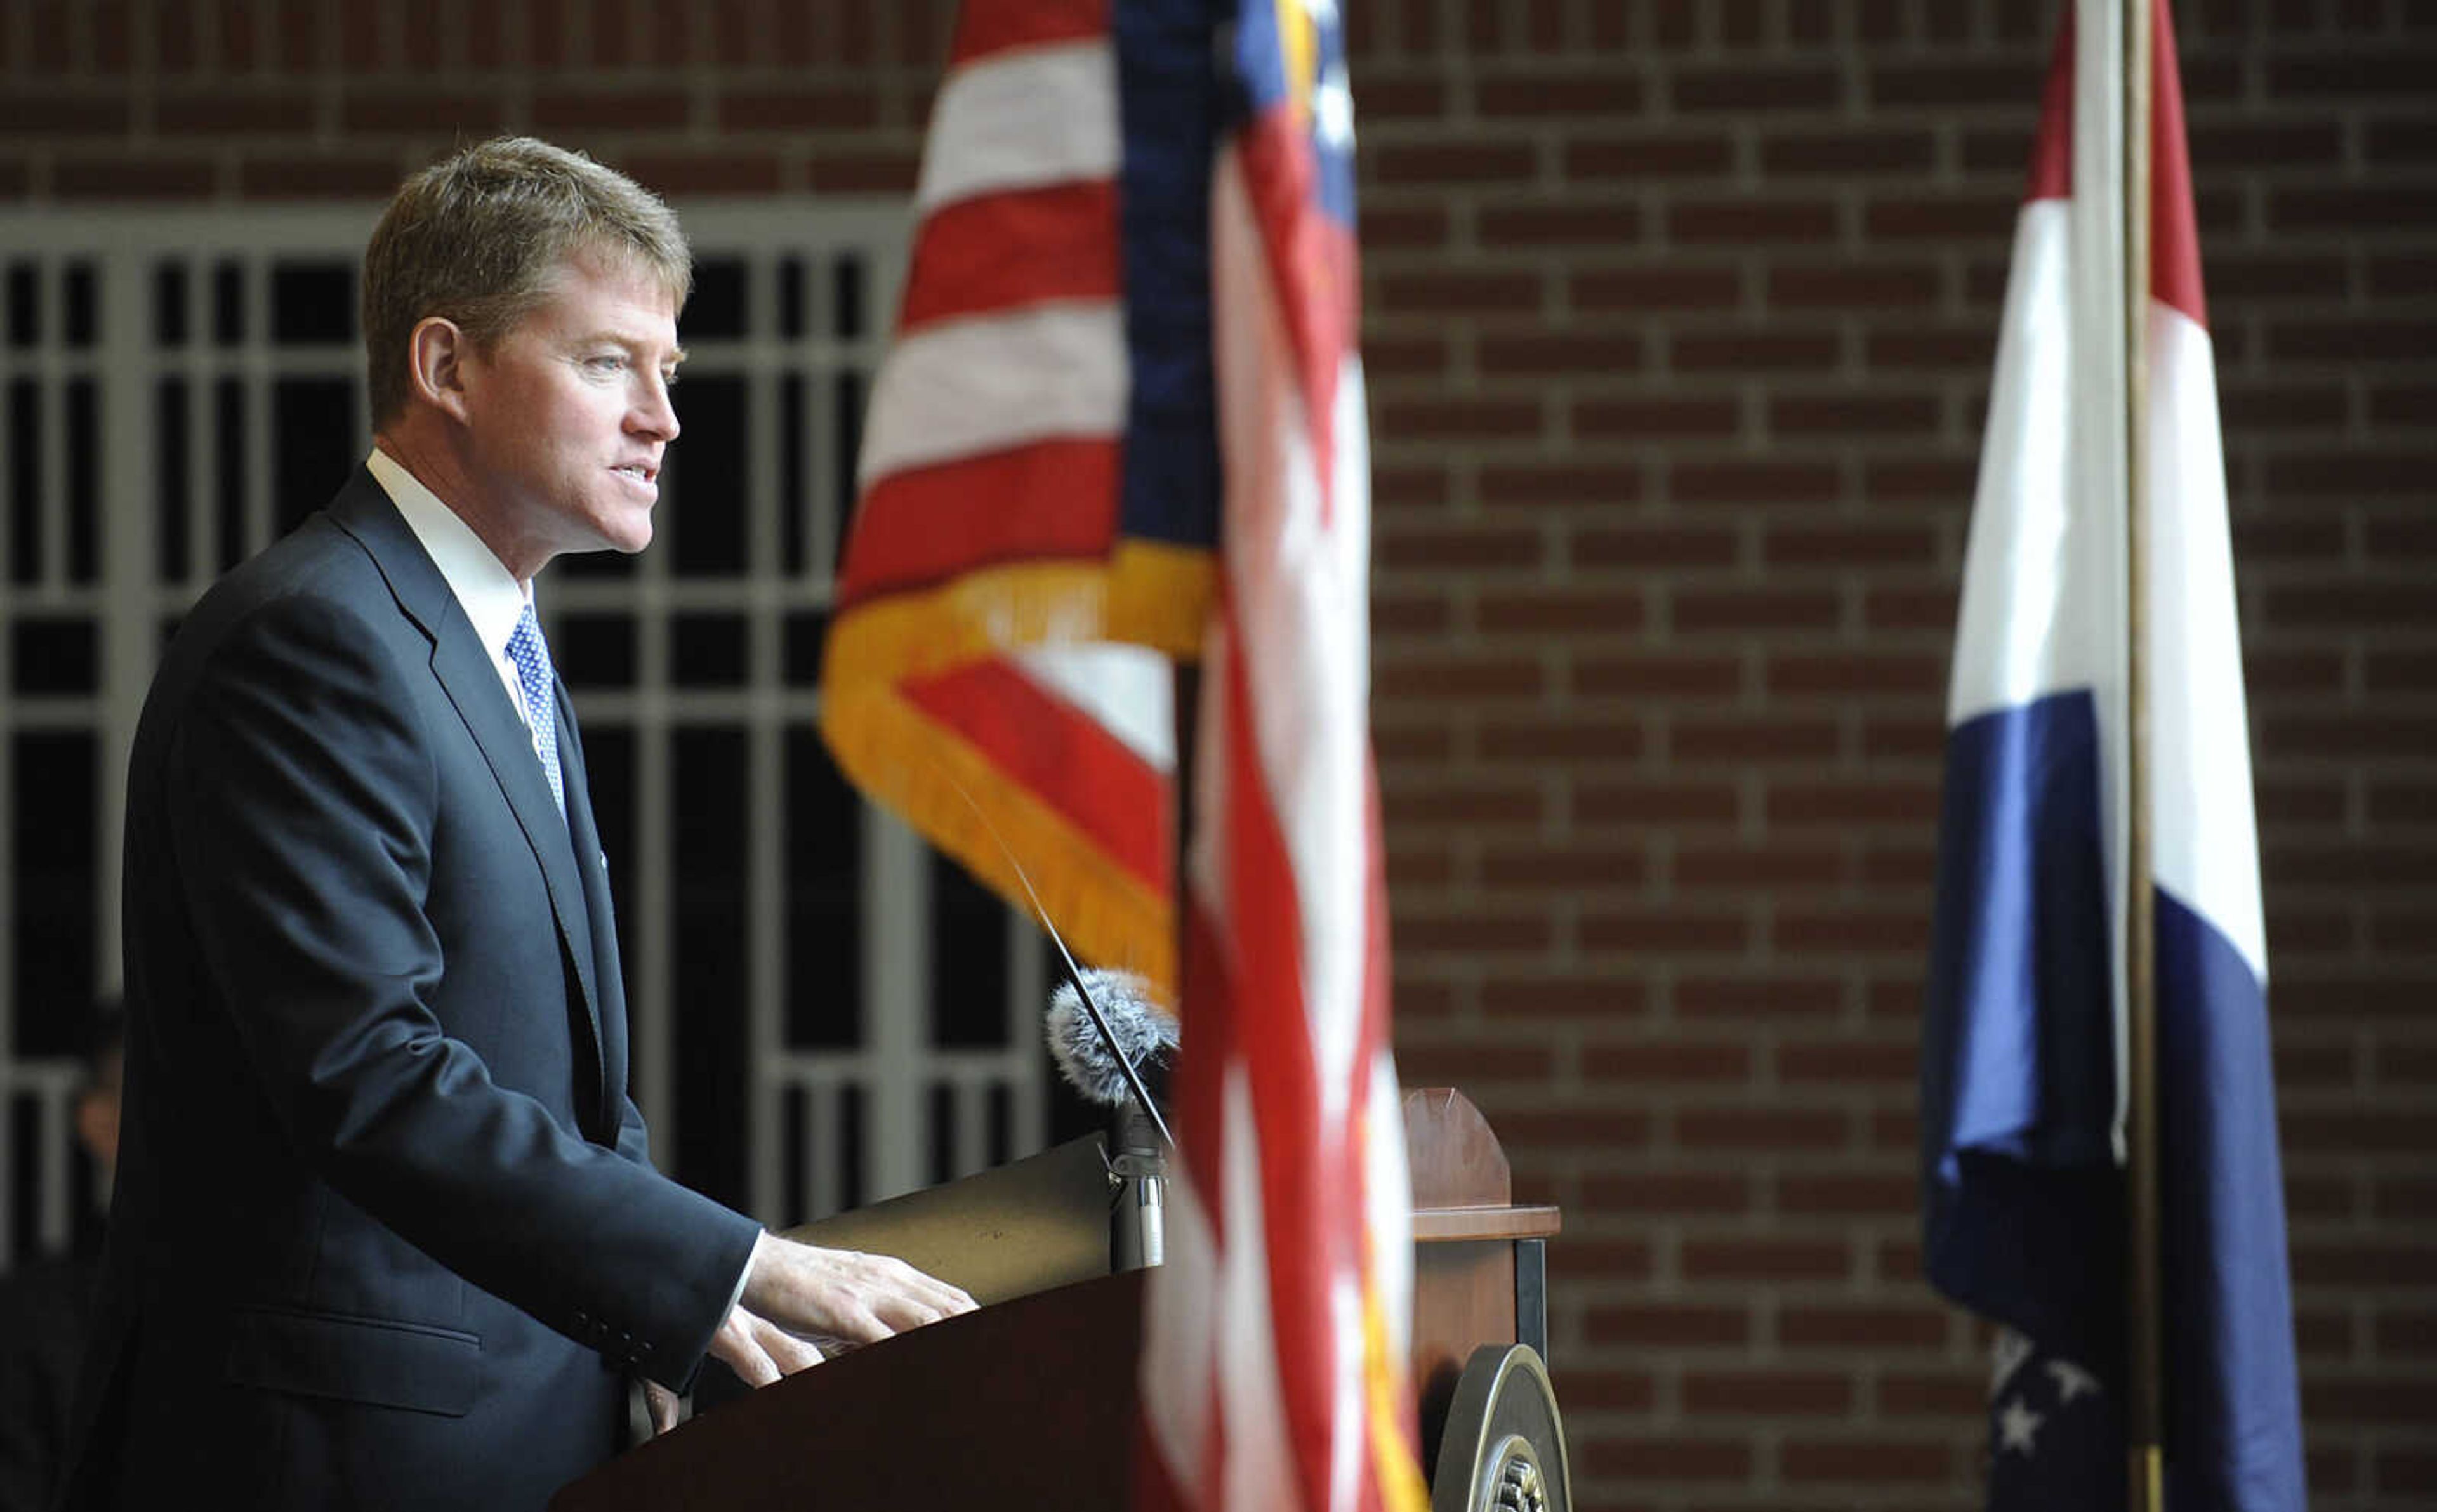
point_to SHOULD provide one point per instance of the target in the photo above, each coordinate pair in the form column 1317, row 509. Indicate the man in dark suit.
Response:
column 386, row 1232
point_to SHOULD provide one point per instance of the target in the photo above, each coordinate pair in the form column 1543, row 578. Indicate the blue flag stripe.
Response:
column 2018, row 1071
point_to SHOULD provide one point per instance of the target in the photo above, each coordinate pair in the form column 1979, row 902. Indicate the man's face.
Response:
column 568, row 414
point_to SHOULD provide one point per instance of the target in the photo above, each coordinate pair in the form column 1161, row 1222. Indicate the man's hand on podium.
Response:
column 796, row 1293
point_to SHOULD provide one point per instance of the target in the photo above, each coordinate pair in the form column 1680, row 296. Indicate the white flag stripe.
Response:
column 2205, row 848
column 1178, row 1328
column 1388, row 1186
column 2020, row 638
column 968, row 388
column 1259, row 1458
column 1129, row 690
column 1023, row 119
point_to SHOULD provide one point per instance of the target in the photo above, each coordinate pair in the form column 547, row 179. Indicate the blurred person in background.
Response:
column 46, row 1306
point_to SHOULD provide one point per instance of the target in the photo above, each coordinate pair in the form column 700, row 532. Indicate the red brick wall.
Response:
column 1679, row 319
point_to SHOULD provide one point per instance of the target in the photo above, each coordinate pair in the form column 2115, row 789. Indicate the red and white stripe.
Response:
column 1276, row 1333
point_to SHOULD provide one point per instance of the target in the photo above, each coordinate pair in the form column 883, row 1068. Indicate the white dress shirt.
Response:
column 492, row 598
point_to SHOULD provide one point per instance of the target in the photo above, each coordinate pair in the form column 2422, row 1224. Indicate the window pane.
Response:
column 706, row 802
column 823, row 965
column 969, row 982
column 313, row 444
column 313, row 303
column 718, row 309
column 52, row 941
column 703, row 489
column 53, row 656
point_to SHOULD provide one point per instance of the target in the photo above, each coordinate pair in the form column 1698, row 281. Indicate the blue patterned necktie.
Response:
column 525, row 647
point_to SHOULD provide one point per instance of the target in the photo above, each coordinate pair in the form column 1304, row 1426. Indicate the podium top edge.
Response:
column 1439, row 1225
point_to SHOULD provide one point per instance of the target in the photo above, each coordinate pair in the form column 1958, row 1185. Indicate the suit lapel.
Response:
column 593, row 865
column 466, row 673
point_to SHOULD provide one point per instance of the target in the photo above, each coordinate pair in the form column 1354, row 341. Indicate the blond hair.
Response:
column 480, row 236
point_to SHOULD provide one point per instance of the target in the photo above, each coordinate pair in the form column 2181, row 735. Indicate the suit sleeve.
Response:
column 300, row 806
column 634, row 1139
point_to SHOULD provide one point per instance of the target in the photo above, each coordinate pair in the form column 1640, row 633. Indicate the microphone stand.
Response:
column 1138, row 1194
column 1138, row 1175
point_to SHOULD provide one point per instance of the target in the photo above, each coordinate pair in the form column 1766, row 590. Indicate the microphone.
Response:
column 1105, row 1030
column 1141, row 1030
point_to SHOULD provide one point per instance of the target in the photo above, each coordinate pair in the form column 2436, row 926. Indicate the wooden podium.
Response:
column 1029, row 1399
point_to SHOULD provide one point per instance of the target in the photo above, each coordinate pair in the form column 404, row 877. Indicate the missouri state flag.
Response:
column 2023, row 1091
column 1122, row 424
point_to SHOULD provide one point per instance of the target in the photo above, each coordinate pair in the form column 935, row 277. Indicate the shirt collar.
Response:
column 489, row 594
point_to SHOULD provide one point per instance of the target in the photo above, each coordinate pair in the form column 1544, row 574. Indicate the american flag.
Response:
column 1039, row 511
column 1123, row 422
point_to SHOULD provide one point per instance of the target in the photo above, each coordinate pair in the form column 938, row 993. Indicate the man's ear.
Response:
column 436, row 352
column 96, row 1124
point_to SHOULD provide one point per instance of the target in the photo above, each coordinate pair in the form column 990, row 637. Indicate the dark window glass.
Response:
column 846, row 398
column 313, row 303
column 805, row 632
column 595, row 651
column 52, row 792
column 82, row 316
column 1001, row 1146
column 83, row 480
column 791, row 297
column 313, row 444
column 968, row 984
column 846, row 297
column 849, row 1147
column 794, row 501
column 24, row 481
column 169, row 304
column 609, row 776
column 53, row 655
column 718, row 309
column 794, row 1178
column 228, row 303
column 706, row 651
column 228, row 433
column 173, row 451
column 701, row 491
column 823, row 966
column 24, row 305
column 942, row 1124
column 708, row 793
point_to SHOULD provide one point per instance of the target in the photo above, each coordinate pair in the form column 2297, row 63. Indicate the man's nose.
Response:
column 656, row 414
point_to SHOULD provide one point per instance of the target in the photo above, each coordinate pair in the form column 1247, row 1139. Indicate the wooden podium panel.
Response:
column 1030, row 1400
column 1479, row 1272
column 1029, row 1404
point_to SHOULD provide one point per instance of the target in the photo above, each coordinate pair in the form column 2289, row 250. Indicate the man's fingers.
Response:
column 844, row 1294
column 664, row 1406
column 786, row 1353
column 736, row 1346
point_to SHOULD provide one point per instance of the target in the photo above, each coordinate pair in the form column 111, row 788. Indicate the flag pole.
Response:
column 2144, row 1322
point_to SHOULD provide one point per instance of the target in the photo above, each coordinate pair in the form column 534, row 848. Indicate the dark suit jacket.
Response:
column 385, row 1231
